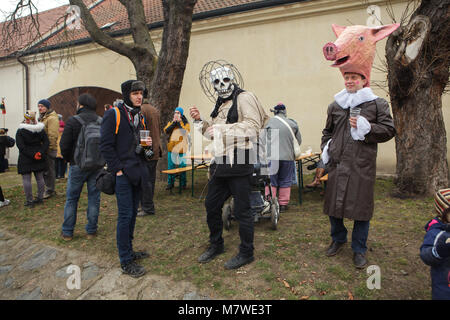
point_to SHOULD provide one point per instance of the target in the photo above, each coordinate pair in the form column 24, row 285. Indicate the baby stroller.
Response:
column 262, row 206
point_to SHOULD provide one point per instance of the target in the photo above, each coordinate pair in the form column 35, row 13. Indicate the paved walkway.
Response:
column 30, row 270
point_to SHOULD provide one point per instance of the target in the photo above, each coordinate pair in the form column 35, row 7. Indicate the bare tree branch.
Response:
column 98, row 35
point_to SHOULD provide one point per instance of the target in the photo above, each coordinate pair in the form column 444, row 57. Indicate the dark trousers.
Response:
column 2, row 198
column 148, row 188
column 359, row 235
column 3, row 163
column 60, row 167
column 49, row 174
column 127, row 196
column 219, row 190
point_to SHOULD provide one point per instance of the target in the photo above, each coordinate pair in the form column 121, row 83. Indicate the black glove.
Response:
column 148, row 152
column 443, row 245
column 139, row 149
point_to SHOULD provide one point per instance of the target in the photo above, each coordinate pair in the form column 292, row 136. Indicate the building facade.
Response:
column 277, row 49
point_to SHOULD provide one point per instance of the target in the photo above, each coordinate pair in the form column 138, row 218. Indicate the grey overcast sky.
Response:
column 7, row 6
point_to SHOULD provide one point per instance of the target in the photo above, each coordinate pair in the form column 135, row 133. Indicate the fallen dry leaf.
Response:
column 304, row 297
column 350, row 296
column 286, row 284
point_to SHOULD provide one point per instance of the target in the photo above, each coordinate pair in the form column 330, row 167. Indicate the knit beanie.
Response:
column 87, row 101
column 180, row 110
column 45, row 103
column 129, row 86
column 442, row 204
column 279, row 108
column 30, row 115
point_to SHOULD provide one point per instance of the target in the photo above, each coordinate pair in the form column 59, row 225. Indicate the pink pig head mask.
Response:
column 354, row 49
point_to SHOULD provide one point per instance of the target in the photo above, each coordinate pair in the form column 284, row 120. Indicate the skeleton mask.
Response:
column 222, row 79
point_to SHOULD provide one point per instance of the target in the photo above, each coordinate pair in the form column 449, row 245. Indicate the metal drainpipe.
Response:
column 27, row 91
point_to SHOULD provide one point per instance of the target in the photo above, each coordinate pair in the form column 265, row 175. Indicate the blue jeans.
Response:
column 75, row 183
column 359, row 235
column 128, row 197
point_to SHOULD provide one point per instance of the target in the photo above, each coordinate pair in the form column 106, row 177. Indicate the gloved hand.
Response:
column 38, row 156
column 443, row 245
column 139, row 149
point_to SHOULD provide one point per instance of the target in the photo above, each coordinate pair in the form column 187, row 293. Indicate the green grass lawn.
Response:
column 289, row 263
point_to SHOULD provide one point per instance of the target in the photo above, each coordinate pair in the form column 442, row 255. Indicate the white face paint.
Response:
column 222, row 80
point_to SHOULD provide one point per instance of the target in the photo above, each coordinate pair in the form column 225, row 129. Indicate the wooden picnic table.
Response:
column 304, row 159
column 204, row 163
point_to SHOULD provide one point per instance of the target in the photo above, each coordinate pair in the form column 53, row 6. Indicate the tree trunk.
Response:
column 418, row 72
column 166, row 85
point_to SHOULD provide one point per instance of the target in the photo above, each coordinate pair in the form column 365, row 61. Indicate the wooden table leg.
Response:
column 193, row 168
column 300, row 181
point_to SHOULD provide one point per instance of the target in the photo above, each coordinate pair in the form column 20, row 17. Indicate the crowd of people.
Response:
column 349, row 149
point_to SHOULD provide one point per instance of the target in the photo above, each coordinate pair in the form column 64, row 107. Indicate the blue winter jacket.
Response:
column 440, row 267
column 118, row 150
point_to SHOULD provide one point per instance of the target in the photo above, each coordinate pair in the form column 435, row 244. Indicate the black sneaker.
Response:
column 334, row 248
column 238, row 261
column 38, row 201
column 49, row 194
column 133, row 269
column 137, row 255
column 170, row 187
column 210, row 254
column 29, row 204
column 359, row 260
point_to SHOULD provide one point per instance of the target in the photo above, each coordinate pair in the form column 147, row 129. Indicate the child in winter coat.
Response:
column 33, row 143
column 435, row 250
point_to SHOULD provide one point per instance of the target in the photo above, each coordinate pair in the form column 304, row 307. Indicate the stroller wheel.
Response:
column 227, row 211
column 274, row 213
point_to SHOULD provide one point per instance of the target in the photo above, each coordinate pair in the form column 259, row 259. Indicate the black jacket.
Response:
column 31, row 139
column 71, row 131
column 5, row 142
column 118, row 150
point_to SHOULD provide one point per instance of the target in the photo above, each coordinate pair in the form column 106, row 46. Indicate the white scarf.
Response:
column 347, row 100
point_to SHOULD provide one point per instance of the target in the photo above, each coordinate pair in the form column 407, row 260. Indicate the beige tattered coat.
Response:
column 242, row 134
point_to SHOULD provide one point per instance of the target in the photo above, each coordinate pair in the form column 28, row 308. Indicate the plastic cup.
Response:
column 355, row 112
column 145, row 134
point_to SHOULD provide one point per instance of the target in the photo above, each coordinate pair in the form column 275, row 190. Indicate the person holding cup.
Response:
column 177, row 146
column 126, row 159
column 356, row 122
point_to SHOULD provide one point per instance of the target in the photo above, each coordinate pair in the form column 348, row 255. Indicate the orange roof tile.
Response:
column 27, row 34
column 112, row 11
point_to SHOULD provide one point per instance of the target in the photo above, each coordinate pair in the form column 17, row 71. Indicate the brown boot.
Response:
column 316, row 182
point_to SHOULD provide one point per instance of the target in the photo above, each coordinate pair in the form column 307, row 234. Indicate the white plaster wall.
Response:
column 279, row 54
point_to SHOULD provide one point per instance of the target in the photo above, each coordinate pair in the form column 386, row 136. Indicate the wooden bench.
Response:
column 184, row 169
column 177, row 172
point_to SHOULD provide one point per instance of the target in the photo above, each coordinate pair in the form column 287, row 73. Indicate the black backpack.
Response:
column 87, row 151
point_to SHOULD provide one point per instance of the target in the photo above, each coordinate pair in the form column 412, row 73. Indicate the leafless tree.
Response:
column 161, row 72
column 418, row 61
